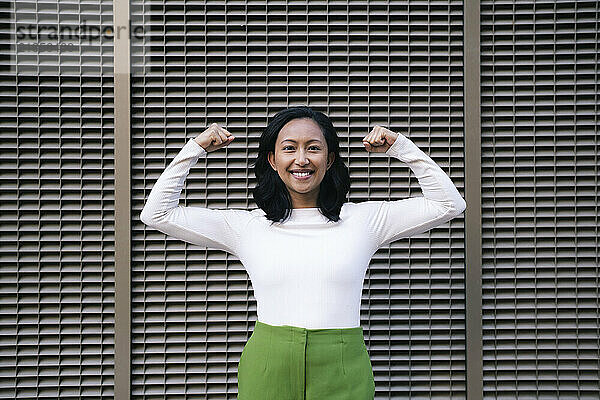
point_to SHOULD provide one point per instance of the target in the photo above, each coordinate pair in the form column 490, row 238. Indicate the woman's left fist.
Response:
column 379, row 139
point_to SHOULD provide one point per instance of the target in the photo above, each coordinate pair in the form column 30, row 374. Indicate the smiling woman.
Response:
column 301, row 159
column 299, row 166
column 306, row 249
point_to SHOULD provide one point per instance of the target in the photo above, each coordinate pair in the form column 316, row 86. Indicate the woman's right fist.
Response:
column 214, row 137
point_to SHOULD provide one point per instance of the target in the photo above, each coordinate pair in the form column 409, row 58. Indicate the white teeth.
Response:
column 301, row 173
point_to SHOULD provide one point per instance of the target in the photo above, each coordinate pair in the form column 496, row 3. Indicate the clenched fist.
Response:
column 214, row 137
column 379, row 139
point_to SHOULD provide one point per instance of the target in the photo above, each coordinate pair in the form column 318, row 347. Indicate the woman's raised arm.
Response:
column 441, row 201
column 218, row 229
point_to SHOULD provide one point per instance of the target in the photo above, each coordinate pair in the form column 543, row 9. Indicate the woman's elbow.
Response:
column 148, row 217
column 460, row 206
column 455, row 207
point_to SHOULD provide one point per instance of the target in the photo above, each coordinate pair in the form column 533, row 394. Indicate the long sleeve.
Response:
column 441, row 201
column 213, row 228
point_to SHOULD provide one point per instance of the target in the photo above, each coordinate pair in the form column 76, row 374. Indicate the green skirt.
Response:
column 293, row 363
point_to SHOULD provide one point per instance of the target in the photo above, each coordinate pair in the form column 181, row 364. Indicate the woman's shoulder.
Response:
column 361, row 206
column 240, row 215
column 257, row 212
column 242, row 211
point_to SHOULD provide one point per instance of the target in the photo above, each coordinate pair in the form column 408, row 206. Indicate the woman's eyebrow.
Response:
column 292, row 140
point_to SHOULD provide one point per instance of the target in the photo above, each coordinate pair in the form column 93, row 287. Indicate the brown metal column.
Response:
column 472, row 114
column 122, row 202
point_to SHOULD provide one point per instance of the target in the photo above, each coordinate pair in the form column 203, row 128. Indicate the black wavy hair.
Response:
column 271, row 194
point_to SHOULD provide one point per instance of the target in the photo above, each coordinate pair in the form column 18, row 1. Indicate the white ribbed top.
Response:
column 307, row 271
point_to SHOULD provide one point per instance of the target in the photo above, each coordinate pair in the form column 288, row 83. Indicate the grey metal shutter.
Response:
column 393, row 64
column 57, row 269
column 539, row 102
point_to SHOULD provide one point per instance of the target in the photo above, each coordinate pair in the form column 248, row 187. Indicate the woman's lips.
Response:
column 302, row 178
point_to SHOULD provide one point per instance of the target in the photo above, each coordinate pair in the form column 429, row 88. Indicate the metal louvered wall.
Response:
column 399, row 65
column 57, row 229
column 539, row 107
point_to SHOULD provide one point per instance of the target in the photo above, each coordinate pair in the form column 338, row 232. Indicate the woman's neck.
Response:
column 306, row 201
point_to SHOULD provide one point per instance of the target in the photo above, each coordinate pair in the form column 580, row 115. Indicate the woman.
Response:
column 306, row 249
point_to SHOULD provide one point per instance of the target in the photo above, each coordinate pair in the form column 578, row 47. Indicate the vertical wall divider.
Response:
column 122, row 147
column 472, row 123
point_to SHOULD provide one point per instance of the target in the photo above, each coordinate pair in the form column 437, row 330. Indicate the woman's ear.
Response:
column 271, row 158
column 330, row 159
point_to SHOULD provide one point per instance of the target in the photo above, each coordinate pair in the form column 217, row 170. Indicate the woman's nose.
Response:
column 301, row 158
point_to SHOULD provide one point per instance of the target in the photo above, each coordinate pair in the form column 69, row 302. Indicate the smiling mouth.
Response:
column 302, row 175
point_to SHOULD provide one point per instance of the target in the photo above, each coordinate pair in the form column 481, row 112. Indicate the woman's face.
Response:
column 301, row 160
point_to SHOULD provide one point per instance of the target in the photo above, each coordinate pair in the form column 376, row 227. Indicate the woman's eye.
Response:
column 310, row 148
